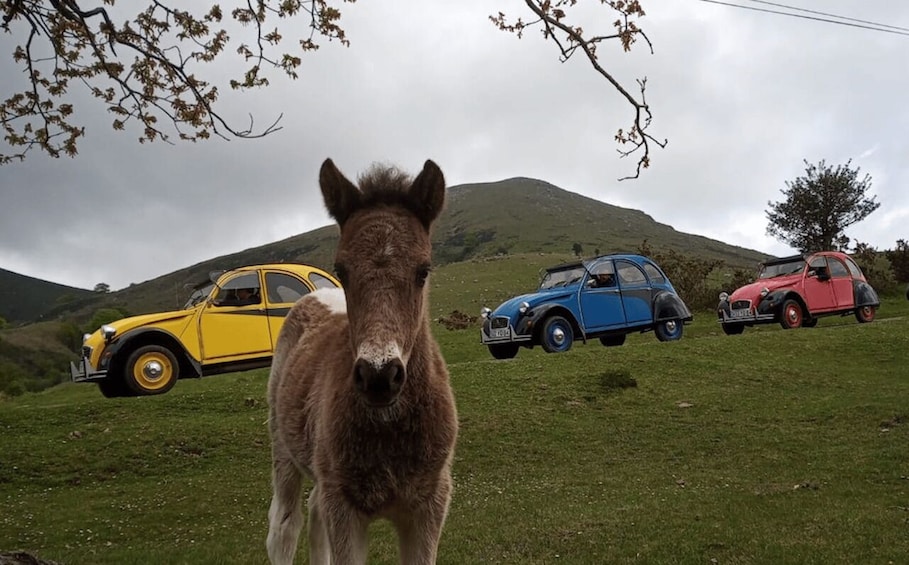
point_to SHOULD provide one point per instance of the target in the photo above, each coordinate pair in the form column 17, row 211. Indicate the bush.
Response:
column 876, row 267
column 899, row 260
column 70, row 336
column 689, row 275
column 27, row 370
column 104, row 316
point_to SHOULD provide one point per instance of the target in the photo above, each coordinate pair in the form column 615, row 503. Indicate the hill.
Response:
column 513, row 216
column 25, row 299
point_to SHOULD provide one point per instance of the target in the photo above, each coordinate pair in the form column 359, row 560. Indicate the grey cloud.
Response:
column 742, row 97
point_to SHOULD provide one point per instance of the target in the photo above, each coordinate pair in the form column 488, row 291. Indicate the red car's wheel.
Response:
column 791, row 315
column 865, row 314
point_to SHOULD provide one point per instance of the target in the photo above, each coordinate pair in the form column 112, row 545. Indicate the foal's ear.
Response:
column 340, row 195
column 427, row 193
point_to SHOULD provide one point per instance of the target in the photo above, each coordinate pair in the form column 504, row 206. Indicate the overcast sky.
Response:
column 742, row 96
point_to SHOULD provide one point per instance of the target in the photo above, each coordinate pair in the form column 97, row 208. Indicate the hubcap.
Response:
column 793, row 314
column 558, row 336
column 152, row 370
column 670, row 326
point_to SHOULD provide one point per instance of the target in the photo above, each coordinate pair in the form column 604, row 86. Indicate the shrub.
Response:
column 899, row 260
column 70, row 336
column 876, row 267
column 689, row 275
column 104, row 316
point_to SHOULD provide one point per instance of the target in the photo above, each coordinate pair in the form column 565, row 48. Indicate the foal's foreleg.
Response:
column 345, row 528
column 319, row 549
column 285, row 517
column 420, row 529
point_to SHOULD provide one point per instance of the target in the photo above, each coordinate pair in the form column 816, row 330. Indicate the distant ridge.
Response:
column 516, row 215
column 24, row 298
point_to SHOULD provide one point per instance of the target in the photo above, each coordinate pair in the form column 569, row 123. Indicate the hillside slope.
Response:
column 24, row 298
column 512, row 216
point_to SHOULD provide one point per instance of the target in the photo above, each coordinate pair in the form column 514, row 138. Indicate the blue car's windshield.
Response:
column 564, row 277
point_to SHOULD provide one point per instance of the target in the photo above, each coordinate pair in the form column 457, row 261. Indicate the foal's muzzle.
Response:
column 380, row 386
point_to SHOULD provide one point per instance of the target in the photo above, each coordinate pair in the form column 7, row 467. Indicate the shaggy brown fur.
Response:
column 359, row 395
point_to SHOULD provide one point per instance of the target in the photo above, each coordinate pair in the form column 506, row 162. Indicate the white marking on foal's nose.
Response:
column 378, row 355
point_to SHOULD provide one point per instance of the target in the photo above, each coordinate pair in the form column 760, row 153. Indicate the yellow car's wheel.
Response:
column 151, row 369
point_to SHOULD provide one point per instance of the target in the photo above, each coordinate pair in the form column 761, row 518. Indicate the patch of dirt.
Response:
column 23, row 558
column 617, row 380
column 887, row 425
column 458, row 320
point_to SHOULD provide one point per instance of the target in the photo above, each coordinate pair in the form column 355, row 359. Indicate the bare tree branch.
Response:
column 139, row 68
column 144, row 70
column 551, row 16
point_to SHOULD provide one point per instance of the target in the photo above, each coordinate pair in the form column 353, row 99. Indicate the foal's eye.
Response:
column 423, row 274
column 341, row 273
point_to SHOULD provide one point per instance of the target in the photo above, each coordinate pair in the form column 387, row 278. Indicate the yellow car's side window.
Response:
column 282, row 288
column 240, row 291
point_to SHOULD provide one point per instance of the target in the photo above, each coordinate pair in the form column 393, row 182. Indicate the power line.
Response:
column 796, row 8
column 874, row 27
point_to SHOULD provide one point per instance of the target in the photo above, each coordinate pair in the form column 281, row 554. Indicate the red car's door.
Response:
column 818, row 293
column 841, row 283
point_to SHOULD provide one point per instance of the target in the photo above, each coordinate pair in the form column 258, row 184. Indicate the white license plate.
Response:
column 500, row 333
column 743, row 313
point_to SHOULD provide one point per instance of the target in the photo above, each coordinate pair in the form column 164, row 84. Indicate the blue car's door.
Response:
column 636, row 293
column 600, row 300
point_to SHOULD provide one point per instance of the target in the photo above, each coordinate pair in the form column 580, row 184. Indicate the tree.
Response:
column 148, row 70
column 102, row 288
column 820, row 206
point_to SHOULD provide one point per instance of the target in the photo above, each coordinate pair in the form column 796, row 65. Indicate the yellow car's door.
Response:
column 282, row 289
column 234, row 324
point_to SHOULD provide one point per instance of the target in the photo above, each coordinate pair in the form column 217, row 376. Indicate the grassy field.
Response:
column 770, row 447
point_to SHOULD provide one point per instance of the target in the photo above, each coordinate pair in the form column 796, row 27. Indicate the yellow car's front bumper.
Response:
column 82, row 371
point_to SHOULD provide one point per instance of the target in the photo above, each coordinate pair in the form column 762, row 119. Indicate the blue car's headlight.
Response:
column 525, row 306
column 485, row 312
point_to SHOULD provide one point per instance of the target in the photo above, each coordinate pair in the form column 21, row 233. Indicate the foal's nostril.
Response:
column 363, row 372
column 394, row 372
column 379, row 385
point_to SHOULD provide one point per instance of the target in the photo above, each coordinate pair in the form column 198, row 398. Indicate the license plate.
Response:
column 500, row 333
column 743, row 313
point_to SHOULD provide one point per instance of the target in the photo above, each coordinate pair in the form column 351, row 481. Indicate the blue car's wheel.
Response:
column 670, row 330
column 557, row 335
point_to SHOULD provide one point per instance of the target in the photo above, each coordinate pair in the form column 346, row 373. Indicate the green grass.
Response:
column 770, row 447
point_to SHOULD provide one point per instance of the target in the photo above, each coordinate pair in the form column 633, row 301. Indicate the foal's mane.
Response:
column 385, row 185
